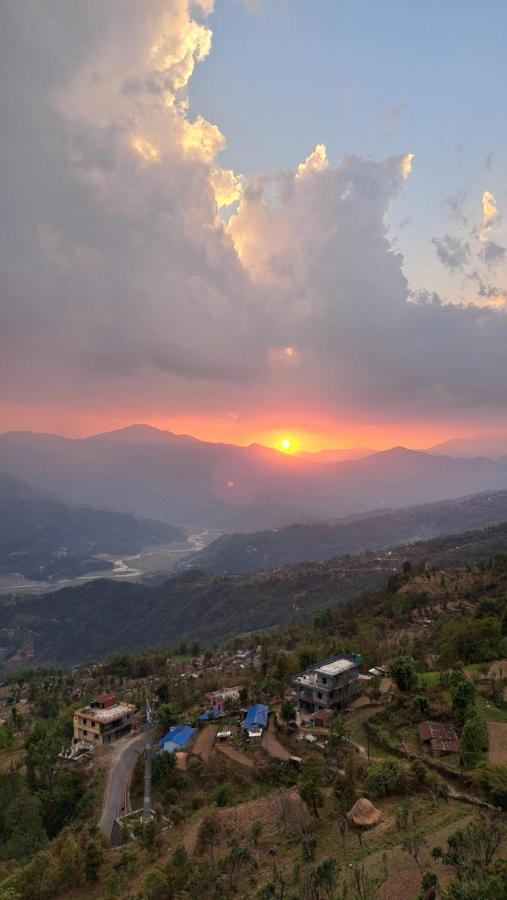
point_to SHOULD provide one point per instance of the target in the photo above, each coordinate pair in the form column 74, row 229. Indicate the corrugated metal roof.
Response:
column 256, row 716
column 442, row 736
column 179, row 735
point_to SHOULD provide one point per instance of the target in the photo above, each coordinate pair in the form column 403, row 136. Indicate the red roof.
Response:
column 441, row 736
column 106, row 700
column 324, row 714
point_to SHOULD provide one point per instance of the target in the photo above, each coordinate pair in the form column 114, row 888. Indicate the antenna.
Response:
column 147, row 811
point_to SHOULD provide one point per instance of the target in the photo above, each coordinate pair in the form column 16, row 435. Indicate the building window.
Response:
column 319, row 695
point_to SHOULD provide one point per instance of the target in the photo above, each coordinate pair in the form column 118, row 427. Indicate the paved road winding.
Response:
column 126, row 752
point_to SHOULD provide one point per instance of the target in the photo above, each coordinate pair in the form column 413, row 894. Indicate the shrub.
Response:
column 381, row 777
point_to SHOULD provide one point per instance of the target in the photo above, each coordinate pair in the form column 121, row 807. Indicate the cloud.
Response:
column 492, row 253
column 453, row 253
column 489, row 210
column 226, row 186
column 122, row 287
column 317, row 161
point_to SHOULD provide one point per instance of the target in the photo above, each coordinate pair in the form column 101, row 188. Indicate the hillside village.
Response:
column 336, row 758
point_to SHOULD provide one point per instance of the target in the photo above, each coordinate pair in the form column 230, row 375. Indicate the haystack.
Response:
column 364, row 814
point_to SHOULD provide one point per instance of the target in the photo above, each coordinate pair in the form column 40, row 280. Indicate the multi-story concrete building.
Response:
column 103, row 721
column 329, row 684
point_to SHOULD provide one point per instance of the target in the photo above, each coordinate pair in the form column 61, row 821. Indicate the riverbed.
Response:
column 160, row 558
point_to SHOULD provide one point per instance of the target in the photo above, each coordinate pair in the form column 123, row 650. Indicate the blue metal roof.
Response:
column 168, row 747
column 256, row 716
column 178, row 735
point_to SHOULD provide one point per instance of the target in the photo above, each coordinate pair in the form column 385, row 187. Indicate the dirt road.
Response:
column 235, row 755
column 204, row 741
column 273, row 746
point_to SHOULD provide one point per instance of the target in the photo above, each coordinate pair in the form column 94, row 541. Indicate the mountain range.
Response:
column 179, row 479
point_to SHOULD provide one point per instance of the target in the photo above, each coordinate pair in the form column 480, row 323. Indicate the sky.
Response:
column 254, row 220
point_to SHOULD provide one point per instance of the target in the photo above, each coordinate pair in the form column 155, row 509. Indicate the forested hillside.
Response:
column 40, row 537
column 263, row 550
column 87, row 622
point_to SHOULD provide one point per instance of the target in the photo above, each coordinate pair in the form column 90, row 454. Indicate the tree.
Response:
column 492, row 780
column 462, row 696
column 163, row 692
column 93, row 857
column 24, row 832
column 112, row 885
column 208, row 836
column 324, row 880
column 375, row 690
column 237, row 858
column 413, row 844
column 307, row 657
column 474, row 742
column 69, row 868
column 164, row 770
column 288, row 711
column 381, row 777
column 256, row 830
column 419, row 707
column 42, row 748
column 404, row 673
column 243, row 696
column 155, row 886
column 366, row 888
column 339, row 738
column 403, row 815
column 166, row 715
column 8, row 890
column 312, row 777
column 282, row 667
column 471, row 850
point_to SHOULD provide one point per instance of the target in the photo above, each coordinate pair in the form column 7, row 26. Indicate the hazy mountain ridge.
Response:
column 242, row 553
column 40, row 537
column 181, row 479
column 61, row 628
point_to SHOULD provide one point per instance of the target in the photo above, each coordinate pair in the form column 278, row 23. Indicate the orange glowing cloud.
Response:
column 145, row 148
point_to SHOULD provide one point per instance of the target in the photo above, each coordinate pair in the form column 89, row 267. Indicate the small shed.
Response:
column 439, row 738
column 323, row 718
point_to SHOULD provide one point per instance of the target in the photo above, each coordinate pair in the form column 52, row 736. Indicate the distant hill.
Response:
column 264, row 550
column 491, row 445
column 88, row 622
column 181, row 480
column 333, row 456
column 40, row 538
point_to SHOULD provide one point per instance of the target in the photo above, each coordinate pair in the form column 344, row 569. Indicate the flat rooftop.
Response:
column 106, row 715
column 335, row 667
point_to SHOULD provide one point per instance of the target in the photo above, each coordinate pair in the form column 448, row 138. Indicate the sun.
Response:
column 287, row 444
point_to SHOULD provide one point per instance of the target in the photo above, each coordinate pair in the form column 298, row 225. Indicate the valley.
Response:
column 154, row 563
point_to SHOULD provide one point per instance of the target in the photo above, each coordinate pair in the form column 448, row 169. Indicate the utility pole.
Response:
column 147, row 811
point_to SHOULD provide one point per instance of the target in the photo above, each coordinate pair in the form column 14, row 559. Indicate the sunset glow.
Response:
column 287, row 444
column 180, row 255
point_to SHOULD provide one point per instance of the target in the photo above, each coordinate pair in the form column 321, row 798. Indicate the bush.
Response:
column 474, row 742
column 492, row 781
column 224, row 794
column 381, row 777
column 404, row 673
